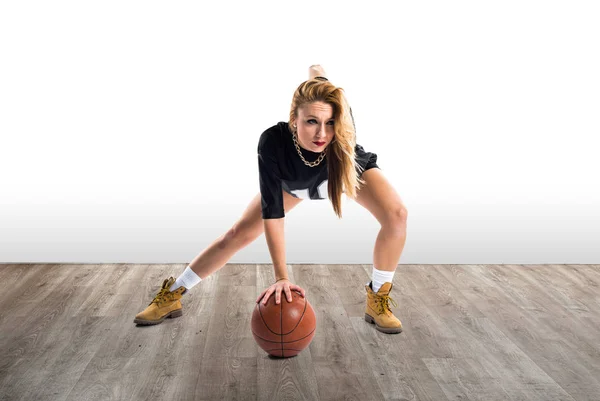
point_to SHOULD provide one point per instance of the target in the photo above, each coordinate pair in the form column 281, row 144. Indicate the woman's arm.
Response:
column 274, row 233
column 316, row 71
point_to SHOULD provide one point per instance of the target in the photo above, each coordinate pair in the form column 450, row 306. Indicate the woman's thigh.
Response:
column 250, row 225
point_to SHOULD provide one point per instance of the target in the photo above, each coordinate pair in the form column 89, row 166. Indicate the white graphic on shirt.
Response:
column 322, row 190
column 305, row 193
column 301, row 193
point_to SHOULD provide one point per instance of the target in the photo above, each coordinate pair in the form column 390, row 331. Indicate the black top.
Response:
column 281, row 168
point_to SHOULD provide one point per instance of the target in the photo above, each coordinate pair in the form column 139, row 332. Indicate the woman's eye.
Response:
column 311, row 120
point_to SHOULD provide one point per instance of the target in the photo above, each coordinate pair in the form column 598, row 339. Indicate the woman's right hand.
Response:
column 284, row 285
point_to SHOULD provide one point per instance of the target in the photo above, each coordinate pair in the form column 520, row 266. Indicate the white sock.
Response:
column 188, row 279
column 380, row 277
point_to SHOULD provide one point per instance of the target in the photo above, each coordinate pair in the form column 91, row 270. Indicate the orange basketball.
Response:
column 284, row 329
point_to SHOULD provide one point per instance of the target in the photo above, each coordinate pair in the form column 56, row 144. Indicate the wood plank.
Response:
column 128, row 354
column 228, row 369
column 338, row 358
column 397, row 364
column 349, row 281
column 198, row 305
column 524, row 362
column 520, row 332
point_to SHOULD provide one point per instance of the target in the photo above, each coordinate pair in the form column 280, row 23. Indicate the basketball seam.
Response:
column 272, row 341
column 281, row 307
column 263, row 320
column 287, row 349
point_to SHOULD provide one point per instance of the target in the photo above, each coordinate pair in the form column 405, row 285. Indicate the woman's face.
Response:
column 315, row 124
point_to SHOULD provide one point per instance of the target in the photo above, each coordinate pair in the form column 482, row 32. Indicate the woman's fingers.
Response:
column 278, row 295
column 264, row 296
column 300, row 290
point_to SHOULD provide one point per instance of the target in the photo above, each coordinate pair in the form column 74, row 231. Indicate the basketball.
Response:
column 284, row 329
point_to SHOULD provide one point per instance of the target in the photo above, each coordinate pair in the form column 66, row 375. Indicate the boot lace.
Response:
column 164, row 294
column 383, row 303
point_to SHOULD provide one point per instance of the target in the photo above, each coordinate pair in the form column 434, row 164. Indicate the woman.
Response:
column 313, row 156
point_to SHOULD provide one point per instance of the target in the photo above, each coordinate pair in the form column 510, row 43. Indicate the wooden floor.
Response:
column 471, row 332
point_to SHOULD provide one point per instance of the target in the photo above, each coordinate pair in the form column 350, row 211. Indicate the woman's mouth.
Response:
column 319, row 143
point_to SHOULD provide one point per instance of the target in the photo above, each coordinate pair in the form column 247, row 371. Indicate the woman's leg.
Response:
column 380, row 198
column 248, row 228
column 167, row 303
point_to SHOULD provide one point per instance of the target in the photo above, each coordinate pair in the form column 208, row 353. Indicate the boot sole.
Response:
column 387, row 330
column 170, row 315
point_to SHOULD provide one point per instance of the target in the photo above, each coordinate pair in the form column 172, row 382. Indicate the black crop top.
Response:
column 280, row 168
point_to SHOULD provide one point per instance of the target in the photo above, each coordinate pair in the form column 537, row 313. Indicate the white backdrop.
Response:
column 129, row 128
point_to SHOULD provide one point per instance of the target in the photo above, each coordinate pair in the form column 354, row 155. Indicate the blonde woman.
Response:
column 312, row 156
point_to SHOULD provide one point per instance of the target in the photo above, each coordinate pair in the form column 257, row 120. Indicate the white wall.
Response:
column 129, row 129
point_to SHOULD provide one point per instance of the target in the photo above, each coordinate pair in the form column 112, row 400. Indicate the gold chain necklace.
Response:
column 310, row 164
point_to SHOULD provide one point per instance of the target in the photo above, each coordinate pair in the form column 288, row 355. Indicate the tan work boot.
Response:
column 378, row 309
column 166, row 304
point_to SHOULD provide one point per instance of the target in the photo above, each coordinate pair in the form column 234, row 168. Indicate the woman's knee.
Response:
column 395, row 220
column 243, row 233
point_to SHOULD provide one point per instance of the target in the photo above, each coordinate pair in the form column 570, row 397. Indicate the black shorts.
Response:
column 365, row 159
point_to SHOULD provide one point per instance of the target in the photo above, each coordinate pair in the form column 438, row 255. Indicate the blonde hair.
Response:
column 343, row 170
